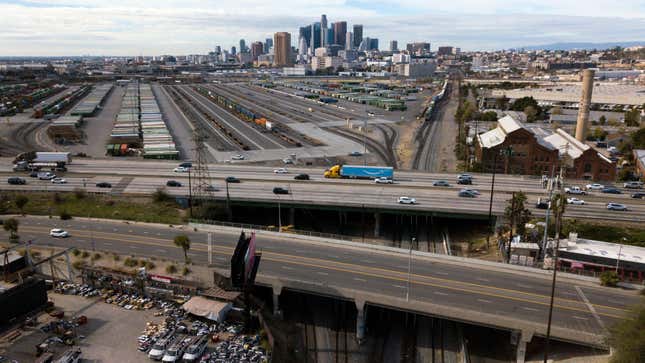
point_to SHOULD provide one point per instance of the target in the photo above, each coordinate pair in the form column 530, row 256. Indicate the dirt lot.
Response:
column 110, row 334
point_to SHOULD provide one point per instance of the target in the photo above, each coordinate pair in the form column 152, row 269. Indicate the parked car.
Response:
column 103, row 185
column 575, row 201
column 46, row 176
column 611, row 190
column 16, row 181
column 238, row 157
column 59, row 181
column 301, row 177
column 633, row 184
column 638, row 195
column 595, row 186
column 467, row 194
column 281, row 171
column 280, row 190
column 181, row 169
column 616, row 206
column 407, row 200
column 232, row 179
column 173, row 183
column 383, row 180
column 58, row 233
column 440, row 183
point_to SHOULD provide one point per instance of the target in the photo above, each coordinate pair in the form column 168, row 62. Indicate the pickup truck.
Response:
column 574, row 190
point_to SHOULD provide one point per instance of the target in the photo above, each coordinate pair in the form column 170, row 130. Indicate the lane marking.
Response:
column 400, row 287
column 482, row 279
column 441, row 273
column 107, row 243
column 322, row 273
column 529, row 309
column 359, row 279
column 579, row 317
column 160, row 250
column 524, row 286
column 440, row 293
column 591, row 308
column 484, row 301
column 287, row 267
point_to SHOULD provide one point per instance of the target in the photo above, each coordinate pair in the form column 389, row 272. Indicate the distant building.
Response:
column 322, row 63
column 348, row 55
column 323, row 31
column 358, row 35
column 349, row 40
column 373, row 44
column 302, row 46
column 233, row 51
column 305, row 32
column 400, row 58
column 242, row 46
column 256, row 50
column 268, row 44
column 639, row 156
column 394, row 46
column 316, row 38
column 416, row 70
column 418, row 48
column 320, row 52
column 282, row 49
column 297, row 71
column 340, row 29
column 445, row 51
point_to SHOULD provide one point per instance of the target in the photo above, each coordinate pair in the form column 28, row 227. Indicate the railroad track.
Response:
column 311, row 343
column 425, row 136
column 371, row 144
column 18, row 140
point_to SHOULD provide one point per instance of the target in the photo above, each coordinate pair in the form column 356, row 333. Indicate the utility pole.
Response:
column 228, row 203
column 510, row 237
column 490, row 205
column 407, row 291
column 190, row 194
column 548, row 210
column 620, row 249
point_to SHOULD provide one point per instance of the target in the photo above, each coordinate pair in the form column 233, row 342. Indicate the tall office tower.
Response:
column 282, row 49
column 268, row 43
column 302, row 46
column 323, row 30
column 365, row 44
column 242, row 46
column 305, row 32
column 340, row 29
column 233, row 51
column 218, row 49
column 315, row 36
column 349, row 41
column 358, row 35
column 394, row 46
column 373, row 44
column 256, row 50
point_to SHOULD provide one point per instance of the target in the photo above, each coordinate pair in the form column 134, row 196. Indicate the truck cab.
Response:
column 333, row 172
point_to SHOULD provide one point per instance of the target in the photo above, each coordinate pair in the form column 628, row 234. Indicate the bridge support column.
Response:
column 521, row 338
column 292, row 216
column 277, row 290
column 360, row 321
column 377, row 224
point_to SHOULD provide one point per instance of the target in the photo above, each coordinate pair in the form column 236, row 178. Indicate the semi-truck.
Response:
column 359, row 172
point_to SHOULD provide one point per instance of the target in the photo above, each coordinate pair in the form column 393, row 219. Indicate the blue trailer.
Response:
column 360, row 172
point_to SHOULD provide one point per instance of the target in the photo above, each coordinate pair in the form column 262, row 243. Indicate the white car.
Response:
column 407, row 200
column 46, row 176
column 473, row 191
column 383, row 180
column 575, row 201
column 58, row 233
column 595, row 186
column 59, row 181
column 238, row 157
column 181, row 169
column 281, row 171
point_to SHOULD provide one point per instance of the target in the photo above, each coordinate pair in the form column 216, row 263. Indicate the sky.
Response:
column 155, row 27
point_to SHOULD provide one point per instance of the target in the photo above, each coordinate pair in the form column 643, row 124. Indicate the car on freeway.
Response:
column 186, row 164
column 287, row 161
column 181, row 169
column 173, row 183
column 34, row 174
column 232, row 179
column 440, row 183
column 16, row 181
column 103, row 185
column 281, row 171
column 574, row 190
column 610, row 190
column 356, row 153
column 638, row 195
column 46, row 176
column 383, row 180
column 465, row 176
column 280, row 190
column 543, row 204
column 468, row 190
column 59, row 181
column 238, row 157
column 575, row 201
column 464, row 181
column 301, row 177
column 633, row 184
column 58, row 233
column 595, row 186
column 211, row 188
column 616, row 206
column 464, row 193
column 407, row 200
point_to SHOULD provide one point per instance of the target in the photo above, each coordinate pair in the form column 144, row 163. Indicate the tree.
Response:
column 638, row 138
column 556, row 110
column 602, row 120
column 183, row 242
column 627, row 336
column 502, row 102
column 633, row 118
column 21, row 201
column 517, row 213
column 609, row 278
column 531, row 113
column 11, row 226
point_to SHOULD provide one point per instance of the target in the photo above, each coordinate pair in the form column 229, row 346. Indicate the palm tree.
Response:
column 11, row 226
column 184, row 242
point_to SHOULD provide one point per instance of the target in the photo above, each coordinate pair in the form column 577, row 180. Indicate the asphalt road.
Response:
column 475, row 289
column 258, row 183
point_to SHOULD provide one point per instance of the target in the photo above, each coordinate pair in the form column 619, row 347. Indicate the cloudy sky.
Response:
column 150, row 27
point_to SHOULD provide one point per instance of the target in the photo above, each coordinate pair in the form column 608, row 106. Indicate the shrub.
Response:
column 79, row 264
column 609, row 278
column 131, row 262
column 57, row 198
column 171, row 269
column 96, row 256
column 185, row 271
column 76, row 252
column 64, row 215
column 142, row 263
column 85, row 254
column 150, row 265
column 79, row 193
column 161, row 195
column 116, row 257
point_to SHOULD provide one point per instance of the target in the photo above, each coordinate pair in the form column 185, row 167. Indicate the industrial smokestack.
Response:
column 582, row 125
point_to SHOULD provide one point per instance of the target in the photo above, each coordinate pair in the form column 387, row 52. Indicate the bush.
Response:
column 161, row 195
column 116, row 257
column 79, row 264
column 79, row 193
column 96, row 256
column 131, row 262
column 85, row 254
column 58, row 199
column 142, row 263
column 185, row 271
column 609, row 278
column 150, row 265
column 171, row 269
column 64, row 215
column 76, row 252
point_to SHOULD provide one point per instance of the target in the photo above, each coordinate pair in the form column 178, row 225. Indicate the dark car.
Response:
column 611, row 191
column 464, row 181
column 301, row 177
column 543, row 204
column 173, row 183
column 441, row 183
column 280, row 190
column 467, row 194
column 16, row 181
column 232, row 179
column 638, row 195
column 103, row 185
column 34, row 174
column 187, row 164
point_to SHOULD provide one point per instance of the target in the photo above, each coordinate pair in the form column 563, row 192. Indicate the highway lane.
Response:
column 451, row 283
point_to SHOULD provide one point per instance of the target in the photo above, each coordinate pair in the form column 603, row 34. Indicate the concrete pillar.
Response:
column 582, row 123
column 292, row 216
column 277, row 290
column 377, row 224
column 360, row 321
column 522, row 338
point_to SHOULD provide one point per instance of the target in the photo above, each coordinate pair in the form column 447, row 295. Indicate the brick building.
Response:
column 536, row 150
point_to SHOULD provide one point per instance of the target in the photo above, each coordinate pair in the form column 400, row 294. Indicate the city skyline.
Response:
column 170, row 27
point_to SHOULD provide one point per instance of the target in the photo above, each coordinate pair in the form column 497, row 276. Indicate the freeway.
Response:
column 258, row 182
column 504, row 296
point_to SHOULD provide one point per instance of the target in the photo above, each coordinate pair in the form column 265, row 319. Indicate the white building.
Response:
column 325, row 62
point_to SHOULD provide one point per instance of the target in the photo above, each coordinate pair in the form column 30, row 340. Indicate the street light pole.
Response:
column 620, row 249
column 190, row 194
column 490, row 204
column 407, row 290
column 228, row 203
column 279, row 216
